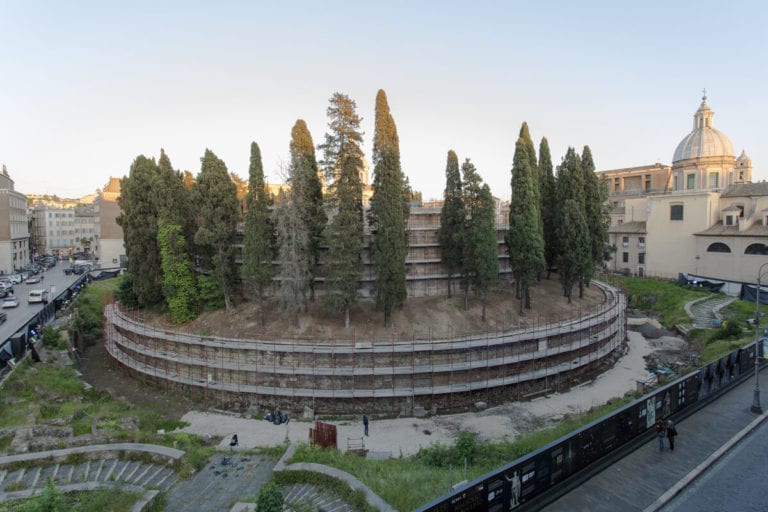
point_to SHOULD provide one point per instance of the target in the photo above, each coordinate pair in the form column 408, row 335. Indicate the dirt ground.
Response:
column 421, row 318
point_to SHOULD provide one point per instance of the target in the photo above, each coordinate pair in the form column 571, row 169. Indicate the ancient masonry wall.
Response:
column 380, row 377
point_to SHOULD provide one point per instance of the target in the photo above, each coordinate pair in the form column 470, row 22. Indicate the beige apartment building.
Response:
column 701, row 215
column 109, row 249
column 14, row 226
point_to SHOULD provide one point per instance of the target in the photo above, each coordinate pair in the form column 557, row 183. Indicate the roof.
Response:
column 628, row 227
column 732, row 208
column 755, row 230
column 704, row 140
column 746, row 189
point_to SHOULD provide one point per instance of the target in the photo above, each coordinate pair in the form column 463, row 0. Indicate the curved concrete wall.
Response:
column 386, row 377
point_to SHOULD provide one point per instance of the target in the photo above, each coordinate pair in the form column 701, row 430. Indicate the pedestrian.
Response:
column 671, row 433
column 365, row 424
column 661, row 431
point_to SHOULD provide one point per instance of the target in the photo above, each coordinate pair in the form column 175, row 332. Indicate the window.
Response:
column 718, row 247
column 676, row 185
column 641, row 258
column 729, row 220
column 616, row 184
column 641, row 242
column 714, row 179
column 760, row 249
column 625, row 257
column 625, row 241
column 691, row 181
column 676, row 212
column 647, row 182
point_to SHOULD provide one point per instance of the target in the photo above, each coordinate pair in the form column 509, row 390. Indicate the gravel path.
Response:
column 404, row 436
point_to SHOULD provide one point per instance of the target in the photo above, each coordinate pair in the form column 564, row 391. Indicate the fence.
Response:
column 538, row 478
column 392, row 376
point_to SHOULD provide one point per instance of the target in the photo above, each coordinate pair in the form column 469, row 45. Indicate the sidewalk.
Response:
column 646, row 479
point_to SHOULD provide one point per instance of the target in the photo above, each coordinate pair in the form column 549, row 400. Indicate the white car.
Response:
column 15, row 278
column 32, row 280
column 10, row 302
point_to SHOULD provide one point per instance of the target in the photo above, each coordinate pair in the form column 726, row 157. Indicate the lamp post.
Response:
column 756, row 396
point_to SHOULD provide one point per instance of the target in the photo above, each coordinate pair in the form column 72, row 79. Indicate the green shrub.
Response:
column 270, row 498
column 54, row 339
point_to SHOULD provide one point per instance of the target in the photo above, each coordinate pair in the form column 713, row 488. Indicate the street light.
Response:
column 756, row 397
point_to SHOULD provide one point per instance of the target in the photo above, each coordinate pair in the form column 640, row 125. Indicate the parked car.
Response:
column 3, row 317
column 33, row 279
column 10, row 302
column 15, row 278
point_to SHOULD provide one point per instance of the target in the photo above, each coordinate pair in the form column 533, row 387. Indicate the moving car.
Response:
column 37, row 296
column 32, row 279
column 10, row 302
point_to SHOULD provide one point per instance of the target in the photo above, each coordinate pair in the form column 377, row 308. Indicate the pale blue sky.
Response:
column 85, row 87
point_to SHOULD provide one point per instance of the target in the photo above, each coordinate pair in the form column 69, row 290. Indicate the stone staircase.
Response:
column 704, row 311
column 89, row 474
column 307, row 497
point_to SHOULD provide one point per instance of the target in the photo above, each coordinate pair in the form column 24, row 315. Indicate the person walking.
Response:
column 365, row 424
column 671, row 434
column 661, row 431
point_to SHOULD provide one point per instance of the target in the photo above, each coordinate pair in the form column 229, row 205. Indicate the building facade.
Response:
column 701, row 215
column 109, row 248
column 14, row 226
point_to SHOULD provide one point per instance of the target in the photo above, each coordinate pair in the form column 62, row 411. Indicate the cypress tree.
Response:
column 258, row 240
column 595, row 196
column 484, row 246
column 305, row 176
column 548, row 205
column 173, row 200
column 473, row 231
column 293, row 252
column 452, row 219
column 524, row 238
column 216, row 199
column 388, row 213
column 343, row 162
column 139, row 222
column 572, row 230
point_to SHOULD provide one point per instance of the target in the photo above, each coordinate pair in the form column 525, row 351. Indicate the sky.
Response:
column 86, row 87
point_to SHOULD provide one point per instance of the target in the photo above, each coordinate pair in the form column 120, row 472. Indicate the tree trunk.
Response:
column 346, row 316
column 466, row 299
column 449, row 286
column 485, row 300
column 517, row 289
column 387, row 316
column 527, row 293
column 549, row 271
column 261, row 306
column 581, row 290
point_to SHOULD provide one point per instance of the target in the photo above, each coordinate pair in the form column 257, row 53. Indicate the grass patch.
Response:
column 99, row 500
column 410, row 482
column 665, row 299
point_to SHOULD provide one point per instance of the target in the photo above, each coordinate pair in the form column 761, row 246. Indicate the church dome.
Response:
column 704, row 140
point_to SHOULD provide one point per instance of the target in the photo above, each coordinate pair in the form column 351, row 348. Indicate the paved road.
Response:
column 736, row 482
column 18, row 317
column 635, row 482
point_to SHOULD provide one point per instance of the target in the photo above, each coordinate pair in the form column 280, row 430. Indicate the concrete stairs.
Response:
column 704, row 311
column 307, row 497
column 88, row 474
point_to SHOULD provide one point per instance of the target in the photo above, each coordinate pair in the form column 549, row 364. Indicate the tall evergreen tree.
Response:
column 258, row 240
column 524, row 238
column 173, row 200
column 216, row 199
column 483, row 246
column 576, row 255
column 452, row 218
column 293, row 242
column 305, row 176
column 548, row 204
column 595, row 197
column 139, row 222
column 388, row 213
column 573, row 233
column 343, row 162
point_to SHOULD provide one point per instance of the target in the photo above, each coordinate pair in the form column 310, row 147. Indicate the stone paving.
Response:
column 645, row 478
column 227, row 479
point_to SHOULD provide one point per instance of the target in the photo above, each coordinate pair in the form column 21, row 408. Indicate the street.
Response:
column 18, row 317
column 735, row 482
